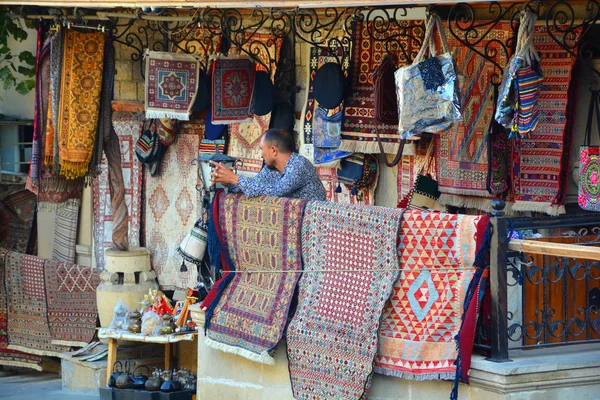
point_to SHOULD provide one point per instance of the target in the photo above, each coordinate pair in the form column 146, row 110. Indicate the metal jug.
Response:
column 139, row 381
column 112, row 381
column 125, row 381
column 154, row 383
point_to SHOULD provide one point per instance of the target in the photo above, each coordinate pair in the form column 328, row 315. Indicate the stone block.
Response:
column 278, row 374
column 137, row 71
column 123, row 70
column 123, row 52
column 141, row 94
column 215, row 364
column 128, row 91
column 277, row 394
column 224, row 389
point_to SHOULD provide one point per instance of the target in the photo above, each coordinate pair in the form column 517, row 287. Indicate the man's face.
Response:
column 268, row 153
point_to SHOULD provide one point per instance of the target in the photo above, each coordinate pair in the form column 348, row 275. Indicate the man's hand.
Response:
column 223, row 175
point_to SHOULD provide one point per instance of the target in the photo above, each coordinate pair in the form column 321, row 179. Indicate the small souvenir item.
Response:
column 160, row 303
column 135, row 322
column 589, row 160
column 168, row 326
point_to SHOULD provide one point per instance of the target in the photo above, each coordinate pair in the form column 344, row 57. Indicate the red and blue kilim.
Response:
column 350, row 266
column 171, row 85
column 260, row 234
column 232, row 90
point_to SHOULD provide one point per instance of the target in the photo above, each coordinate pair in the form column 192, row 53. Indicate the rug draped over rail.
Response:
column 259, row 234
column 332, row 338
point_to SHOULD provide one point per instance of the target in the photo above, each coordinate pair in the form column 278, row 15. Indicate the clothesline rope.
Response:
column 339, row 270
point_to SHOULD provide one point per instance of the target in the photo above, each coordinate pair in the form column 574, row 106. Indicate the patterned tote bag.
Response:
column 589, row 167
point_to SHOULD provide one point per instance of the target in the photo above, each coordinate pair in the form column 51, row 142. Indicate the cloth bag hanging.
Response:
column 428, row 90
column 521, row 85
column 589, row 161
column 425, row 193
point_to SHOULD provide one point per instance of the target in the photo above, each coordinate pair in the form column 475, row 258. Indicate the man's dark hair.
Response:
column 281, row 139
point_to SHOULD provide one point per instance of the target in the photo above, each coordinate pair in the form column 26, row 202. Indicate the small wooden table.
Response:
column 113, row 336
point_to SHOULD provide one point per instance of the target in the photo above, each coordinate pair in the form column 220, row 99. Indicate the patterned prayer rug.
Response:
column 359, row 125
column 421, row 319
column 8, row 357
column 261, row 234
column 539, row 162
column 462, row 151
column 232, row 90
column 26, row 301
column 172, row 206
column 72, row 309
column 81, row 84
column 326, row 157
column 128, row 128
column 20, row 207
column 65, row 232
column 171, row 85
column 332, row 339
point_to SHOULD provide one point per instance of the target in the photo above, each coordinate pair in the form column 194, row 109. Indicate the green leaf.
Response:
column 4, row 73
column 25, row 87
column 4, row 49
column 27, row 57
column 26, row 71
column 9, row 82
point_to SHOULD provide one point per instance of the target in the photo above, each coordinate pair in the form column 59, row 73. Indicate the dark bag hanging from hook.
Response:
column 386, row 103
column 589, row 160
column 148, row 144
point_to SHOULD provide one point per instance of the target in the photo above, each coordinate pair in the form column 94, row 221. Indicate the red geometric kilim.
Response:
column 128, row 128
column 262, row 233
column 12, row 357
column 416, row 336
column 28, row 328
column 329, row 178
column 539, row 167
column 20, row 209
column 332, row 339
column 72, row 309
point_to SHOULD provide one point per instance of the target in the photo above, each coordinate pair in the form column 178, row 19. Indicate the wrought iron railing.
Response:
column 543, row 292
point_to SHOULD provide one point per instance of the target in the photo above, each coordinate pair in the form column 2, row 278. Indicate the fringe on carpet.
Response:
column 33, row 351
column 372, row 147
column 547, row 208
column 9, row 363
column 416, row 377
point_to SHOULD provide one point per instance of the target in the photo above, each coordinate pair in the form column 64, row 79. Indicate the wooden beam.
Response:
column 555, row 249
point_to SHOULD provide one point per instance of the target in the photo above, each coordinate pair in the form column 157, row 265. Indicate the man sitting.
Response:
column 285, row 174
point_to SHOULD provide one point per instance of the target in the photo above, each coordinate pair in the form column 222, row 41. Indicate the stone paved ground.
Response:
column 33, row 385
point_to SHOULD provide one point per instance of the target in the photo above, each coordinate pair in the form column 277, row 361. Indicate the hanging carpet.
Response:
column 80, row 87
column 408, row 169
column 128, row 129
column 20, row 208
column 65, row 232
column 171, row 85
column 244, row 138
column 359, row 126
column 72, row 309
column 172, row 206
column 462, row 151
column 540, row 163
column 421, row 319
column 11, row 358
column 261, row 233
column 332, row 338
column 27, row 322
column 232, row 90
column 329, row 178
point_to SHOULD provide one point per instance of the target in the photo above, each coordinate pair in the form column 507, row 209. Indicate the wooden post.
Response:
column 112, row 357
column 498, row 285
column 120, row 226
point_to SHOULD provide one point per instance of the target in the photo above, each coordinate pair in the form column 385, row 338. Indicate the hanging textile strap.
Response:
column 525, row 48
